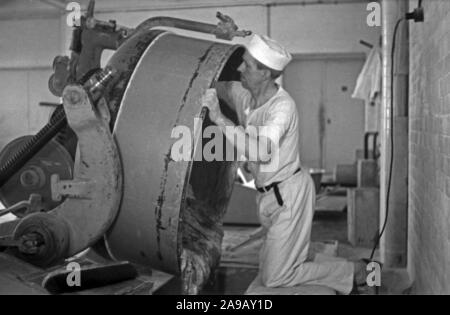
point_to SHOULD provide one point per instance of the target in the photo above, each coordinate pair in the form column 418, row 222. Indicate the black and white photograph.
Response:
column 224, row 152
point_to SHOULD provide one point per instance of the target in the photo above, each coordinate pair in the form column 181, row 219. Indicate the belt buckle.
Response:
column 263, row 189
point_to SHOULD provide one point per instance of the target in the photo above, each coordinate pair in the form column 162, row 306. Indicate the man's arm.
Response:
column 229, row 91
column 253, row 141
column 252, row 147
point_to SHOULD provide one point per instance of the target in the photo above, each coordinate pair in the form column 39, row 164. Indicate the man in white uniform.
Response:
column 286, row 191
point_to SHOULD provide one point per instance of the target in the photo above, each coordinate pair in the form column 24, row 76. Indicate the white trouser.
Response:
column 285, row 249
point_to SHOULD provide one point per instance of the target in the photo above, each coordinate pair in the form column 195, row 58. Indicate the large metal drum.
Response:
column 165, row 203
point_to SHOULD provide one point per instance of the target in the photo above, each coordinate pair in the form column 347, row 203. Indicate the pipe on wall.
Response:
column 394, row 185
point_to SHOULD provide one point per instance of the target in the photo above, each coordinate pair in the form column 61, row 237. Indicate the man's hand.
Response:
column 210, row 100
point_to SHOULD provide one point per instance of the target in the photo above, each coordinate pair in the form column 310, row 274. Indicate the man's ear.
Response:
column 266, row 73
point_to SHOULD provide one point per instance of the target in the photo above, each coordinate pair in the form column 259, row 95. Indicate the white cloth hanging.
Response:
column 368, row 88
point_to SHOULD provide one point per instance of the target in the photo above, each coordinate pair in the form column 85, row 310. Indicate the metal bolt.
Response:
column 30, row 243
column 73, row 97
column 29, row 178
column 32, row 177
column 91, row 23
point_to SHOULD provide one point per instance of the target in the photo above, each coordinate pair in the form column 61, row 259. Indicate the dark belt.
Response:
column 275, row 188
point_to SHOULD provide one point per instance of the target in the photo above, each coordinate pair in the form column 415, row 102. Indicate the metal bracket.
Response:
column 92, row 197
column 71, row 188
column 227, row 29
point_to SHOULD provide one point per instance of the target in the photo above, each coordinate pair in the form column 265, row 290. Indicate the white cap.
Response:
column 269, row 52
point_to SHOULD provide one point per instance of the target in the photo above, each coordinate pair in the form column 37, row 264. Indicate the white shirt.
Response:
column 279, row 117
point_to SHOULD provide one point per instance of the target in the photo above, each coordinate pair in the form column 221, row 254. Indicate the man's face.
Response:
column 251, row 76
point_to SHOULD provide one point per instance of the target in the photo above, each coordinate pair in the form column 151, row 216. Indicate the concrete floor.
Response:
column 235, row 281
column 326, row 226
